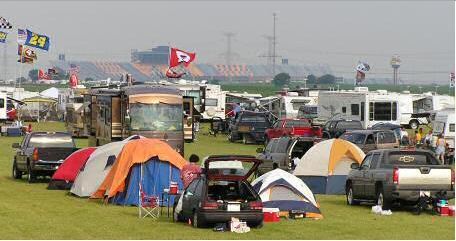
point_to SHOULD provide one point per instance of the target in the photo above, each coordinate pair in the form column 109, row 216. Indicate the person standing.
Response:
column 418, row 138
column 428, row 139
column 440, row 149
column 404, row 137
column 190, row 171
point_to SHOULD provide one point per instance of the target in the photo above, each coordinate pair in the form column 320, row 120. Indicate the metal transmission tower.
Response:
column 395, row 64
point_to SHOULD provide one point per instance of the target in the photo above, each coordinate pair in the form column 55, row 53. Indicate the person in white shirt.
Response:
column 404, row 137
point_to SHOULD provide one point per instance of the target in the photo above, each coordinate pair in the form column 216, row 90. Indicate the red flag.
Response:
column 43, row 75
column 178, row 57
column 73, row 80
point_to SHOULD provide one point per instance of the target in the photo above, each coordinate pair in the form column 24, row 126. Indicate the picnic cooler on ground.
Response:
column 271, row 215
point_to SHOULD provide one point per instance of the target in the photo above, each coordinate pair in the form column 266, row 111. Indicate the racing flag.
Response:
column 37, row 40
column 5, row 24
column 43, row 75
column 361, row 70
column 3, row 36
column 26, row 55
column 178, row 57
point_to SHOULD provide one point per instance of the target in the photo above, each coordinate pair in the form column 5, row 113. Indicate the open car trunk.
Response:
column 231, row 195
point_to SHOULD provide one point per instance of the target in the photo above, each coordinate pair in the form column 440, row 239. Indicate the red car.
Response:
column 292, row 127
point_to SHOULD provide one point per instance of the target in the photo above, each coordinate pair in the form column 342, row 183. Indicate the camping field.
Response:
column 30, row 211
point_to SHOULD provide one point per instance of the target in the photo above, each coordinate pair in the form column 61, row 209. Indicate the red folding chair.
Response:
column 149, row 205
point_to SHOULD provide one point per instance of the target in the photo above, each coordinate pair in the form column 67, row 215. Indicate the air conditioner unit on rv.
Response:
column 362, row 89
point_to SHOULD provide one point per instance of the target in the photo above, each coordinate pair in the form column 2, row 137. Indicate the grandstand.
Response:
column 152, row 65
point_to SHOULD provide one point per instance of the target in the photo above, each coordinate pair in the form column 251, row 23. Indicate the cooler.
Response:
column 271, row 215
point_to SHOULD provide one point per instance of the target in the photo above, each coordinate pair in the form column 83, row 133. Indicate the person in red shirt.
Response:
column 190, row 171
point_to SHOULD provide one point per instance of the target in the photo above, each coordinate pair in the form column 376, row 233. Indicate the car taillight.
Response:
column 452, row 177
column 396, row 175
column 292, row 131
column 35, row 155
column 257, row 205
column 209, row 205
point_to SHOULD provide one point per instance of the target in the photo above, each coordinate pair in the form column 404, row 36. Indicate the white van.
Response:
column 443, row 123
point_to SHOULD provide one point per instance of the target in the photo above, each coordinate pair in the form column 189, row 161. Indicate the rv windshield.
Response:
column 156, row 117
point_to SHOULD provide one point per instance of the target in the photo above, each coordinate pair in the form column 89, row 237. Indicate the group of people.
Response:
column 435, row 143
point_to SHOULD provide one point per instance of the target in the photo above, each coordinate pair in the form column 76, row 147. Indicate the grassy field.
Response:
column 30, row 211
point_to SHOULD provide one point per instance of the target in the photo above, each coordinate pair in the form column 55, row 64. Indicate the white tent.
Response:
column 325, row 165
column 51, row 93
column 97, row 167
column 280, row 189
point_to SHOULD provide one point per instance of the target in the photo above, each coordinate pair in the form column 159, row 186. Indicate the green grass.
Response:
column 30, row 211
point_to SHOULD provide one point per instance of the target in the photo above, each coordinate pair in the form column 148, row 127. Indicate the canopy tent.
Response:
column 51, row 92
column 149, row 162
column 280, row 189
column 64, row 177
column 97, row 167
column 325, row 166
column 38, row 108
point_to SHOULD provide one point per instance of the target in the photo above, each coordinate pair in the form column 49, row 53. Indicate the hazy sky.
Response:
column 335, row 32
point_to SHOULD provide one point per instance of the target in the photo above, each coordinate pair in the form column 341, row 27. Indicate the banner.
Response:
column 178, row 57
column 21, row 36
column 5, row 24
column 3, row 36
column 26, row 55
column 43, row 75
column 37, row 40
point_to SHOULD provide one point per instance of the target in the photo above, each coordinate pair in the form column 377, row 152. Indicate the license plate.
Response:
column 425, row 193
column 234, row 207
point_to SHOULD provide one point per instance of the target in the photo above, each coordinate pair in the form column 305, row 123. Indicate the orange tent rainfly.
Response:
column 153, row 161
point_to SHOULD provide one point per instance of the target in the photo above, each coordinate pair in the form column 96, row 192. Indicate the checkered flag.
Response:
column 4, row 24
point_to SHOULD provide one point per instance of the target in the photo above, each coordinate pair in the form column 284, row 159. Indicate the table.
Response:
column 168, row 195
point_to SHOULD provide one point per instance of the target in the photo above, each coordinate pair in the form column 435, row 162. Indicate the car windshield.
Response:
column 156, row 117
column 253, row 118
column 356, row 138
column 349, row 125
column 297, row 123
column 51, row 140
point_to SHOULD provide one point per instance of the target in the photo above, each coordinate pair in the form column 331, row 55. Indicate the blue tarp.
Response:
column 156, row 177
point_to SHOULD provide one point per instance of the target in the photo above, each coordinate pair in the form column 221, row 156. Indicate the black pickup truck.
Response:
column 41, row 153
column 401, row 176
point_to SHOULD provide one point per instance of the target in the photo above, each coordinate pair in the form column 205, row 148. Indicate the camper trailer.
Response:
column 214, row 103
column 74, row 113
column 191, row 89
column 444, row 123
column 359, row 104
column 153, row 111
column 286, row 106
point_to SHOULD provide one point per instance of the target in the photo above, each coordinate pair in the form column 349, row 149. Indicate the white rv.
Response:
column 359, row 104
column 444, row 123
column 215, row 102
column 287, row 106
column 3, row 116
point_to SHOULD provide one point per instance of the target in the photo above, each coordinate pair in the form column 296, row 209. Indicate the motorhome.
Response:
column 444, row 123
column 74, row 112
column 286, row 106
column 359, row 104
column 215, row 102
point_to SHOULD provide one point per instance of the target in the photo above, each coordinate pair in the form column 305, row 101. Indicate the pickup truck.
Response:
column 292, row 127
column 391, row 176
column 41, row 153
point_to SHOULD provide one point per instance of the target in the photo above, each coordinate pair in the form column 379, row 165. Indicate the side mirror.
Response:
column 259, row 150
column 16, row 145
column 354, row 165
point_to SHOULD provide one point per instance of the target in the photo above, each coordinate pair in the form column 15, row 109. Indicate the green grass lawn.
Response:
column 30, row 211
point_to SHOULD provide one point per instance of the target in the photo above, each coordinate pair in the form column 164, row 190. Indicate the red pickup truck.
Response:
column 292, row 127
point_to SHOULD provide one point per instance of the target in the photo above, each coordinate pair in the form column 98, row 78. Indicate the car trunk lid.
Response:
column 230, row 168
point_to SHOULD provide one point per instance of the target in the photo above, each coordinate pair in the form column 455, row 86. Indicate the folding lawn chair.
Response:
column 149, row 205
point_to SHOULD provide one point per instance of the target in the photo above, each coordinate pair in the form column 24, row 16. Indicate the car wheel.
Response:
column 349, row 195
column 381, row 200
column 16, row 173
column 31, row 177
column 414, row 124
column 197, row 223
column 257, row 225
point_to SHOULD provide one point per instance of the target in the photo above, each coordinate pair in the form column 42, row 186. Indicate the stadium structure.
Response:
column 152, row 65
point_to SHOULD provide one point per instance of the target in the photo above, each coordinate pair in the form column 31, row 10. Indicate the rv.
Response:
column 286, row 106
column 359, row 104
column 444, row 123
column 153, row 111
column 191, row 89
column 214, row 103
column 74, row 112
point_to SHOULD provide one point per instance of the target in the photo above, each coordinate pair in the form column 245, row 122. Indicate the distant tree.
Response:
column 214, row 81
column 311, row 79
column 21, row 79
column 281, row 79
column 326, row 79
column 88, row 79
column 33, row 74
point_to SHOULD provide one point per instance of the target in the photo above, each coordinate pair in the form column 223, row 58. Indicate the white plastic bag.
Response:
column 377, row 209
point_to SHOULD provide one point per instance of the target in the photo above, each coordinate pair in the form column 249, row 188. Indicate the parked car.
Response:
column 280, row 152
column 369, row 140
column 292, row 127
column 335, row 128
column 222, row 193
column 398, row 176
column 41, row 153
column 249, row 127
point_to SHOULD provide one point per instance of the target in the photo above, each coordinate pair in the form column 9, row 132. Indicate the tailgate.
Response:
column 54, row 154
column 425, row 178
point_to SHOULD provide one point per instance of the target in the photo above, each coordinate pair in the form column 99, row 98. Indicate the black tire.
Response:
column 16, row 173
column 257, row 225
column 197, row 222
column 384, row 202
column 31, row 177
column 230, row 137
column 349, row 196
column 414, row 124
